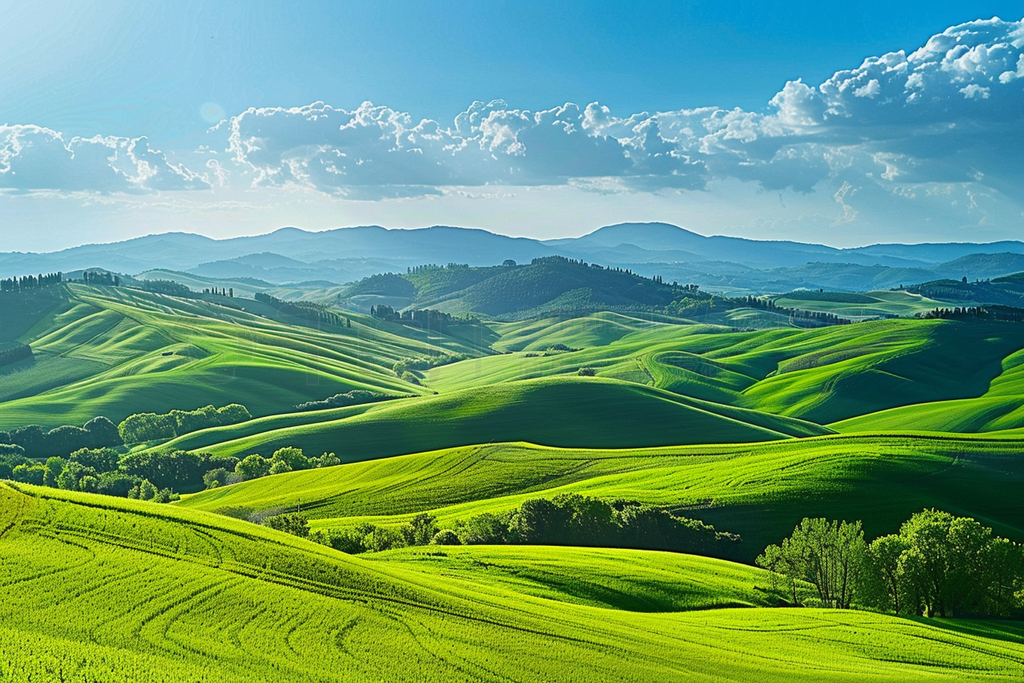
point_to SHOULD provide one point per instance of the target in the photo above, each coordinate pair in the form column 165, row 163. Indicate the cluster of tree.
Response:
column 144, row 476
column 1001, row 313
column 566, row 519
column 810, row 318
column 142, row 427
column 283, row 460
column 33, row 441
column 937, row 565
column 382, row 284
column 412, row 369
column 427, row 318
column 697, row 303
column 12, row 353
column 101, row 277
column 21, row 284
column 349, row 398
column 169, row 287
column 313, row 312
column 433, row 267
column 223, row 291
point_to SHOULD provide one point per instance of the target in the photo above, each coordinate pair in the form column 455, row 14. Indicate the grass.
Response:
column 632, row 580
column 862, row 305
column 115, row 352
column 760, row 491
column 102, row 589
column 825, row 375
column 999, row 408
column 580, row 412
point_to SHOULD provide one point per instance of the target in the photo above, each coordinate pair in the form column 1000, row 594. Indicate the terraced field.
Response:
column 759, row 491
column 99, row 589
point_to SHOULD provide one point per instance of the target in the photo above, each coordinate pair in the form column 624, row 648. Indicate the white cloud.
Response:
column 37, row 158
column 950, row 113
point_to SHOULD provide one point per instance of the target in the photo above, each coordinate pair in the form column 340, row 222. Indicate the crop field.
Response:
column 759, row 491
column 189, row 596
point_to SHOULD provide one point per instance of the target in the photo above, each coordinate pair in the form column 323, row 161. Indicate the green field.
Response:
column 100, row 589
column 750, row 431
column 861, row 305
column 759, row 491
column 586, row 412
column 823, row 375
column 114, row 352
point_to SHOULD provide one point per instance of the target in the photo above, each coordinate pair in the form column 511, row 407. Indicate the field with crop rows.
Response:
column 97, row 589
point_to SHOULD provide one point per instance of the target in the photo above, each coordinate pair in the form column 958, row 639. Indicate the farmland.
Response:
column 216, row 599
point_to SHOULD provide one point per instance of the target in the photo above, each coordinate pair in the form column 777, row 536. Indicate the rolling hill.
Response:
column 757, row 490
column 118, row 351
column 823, row 375
column 571, row 412
column 99, row 589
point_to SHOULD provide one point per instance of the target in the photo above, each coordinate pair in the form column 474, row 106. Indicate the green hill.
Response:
column 1000, row 408
column 578, row 412
column 99, row 589
column 117, row 351
column 757, row 490
column 1004, row 291
column 823, row 375
column 550, row 283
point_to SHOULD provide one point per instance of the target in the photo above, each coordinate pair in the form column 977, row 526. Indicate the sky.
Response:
column 872, row 122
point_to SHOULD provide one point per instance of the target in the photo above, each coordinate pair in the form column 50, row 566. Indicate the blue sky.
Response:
column 745, row 118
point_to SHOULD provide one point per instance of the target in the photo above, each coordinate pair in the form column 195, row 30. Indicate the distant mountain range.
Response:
column 344, row 255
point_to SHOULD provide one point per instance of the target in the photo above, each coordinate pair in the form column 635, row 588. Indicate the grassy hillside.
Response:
column 550, row 283
column 1006, row 291
column 580, row 412
column 634, row 580
column 213, row 599
column 760, row 491
column 1000, row 408
column 856, row 306
column 115, row 351
column 823, row 375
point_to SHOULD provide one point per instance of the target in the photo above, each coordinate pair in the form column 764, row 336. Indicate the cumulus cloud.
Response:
column 37, row 158
column 951, row 111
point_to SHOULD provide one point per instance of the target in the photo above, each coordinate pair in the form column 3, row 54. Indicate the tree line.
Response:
column 426, row 318
column 158, row 477
column 937, row 564
column 101, row 277
column 820, row 318
column 26, row 282
column 566, row 519
column 255, row 466
column 314, row 312
column 143, row 427
column 12, row 353
column 349, row 398
column 1000, row 313
column 33, row 441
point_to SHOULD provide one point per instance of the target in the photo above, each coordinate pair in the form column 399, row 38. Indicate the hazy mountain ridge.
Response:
column 344, row 255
